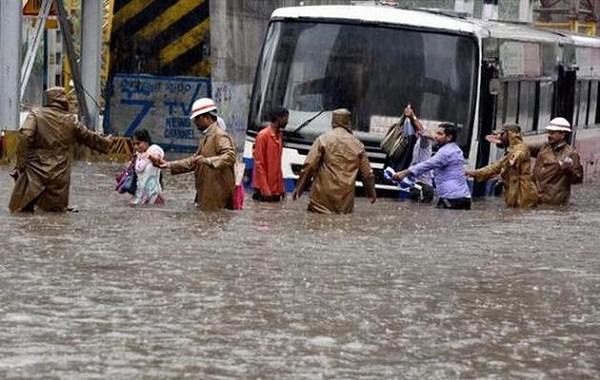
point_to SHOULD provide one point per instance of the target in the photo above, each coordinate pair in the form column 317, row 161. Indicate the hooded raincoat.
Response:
column 515, row 170
column 552, row 181
column 215, row 182
column 333, row 164
column 44, row 154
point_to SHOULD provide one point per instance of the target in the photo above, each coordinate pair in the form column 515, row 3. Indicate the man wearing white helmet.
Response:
column 212, row 164
column 557, row 164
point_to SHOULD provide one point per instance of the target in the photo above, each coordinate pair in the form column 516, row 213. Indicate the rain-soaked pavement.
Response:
column 393, row 291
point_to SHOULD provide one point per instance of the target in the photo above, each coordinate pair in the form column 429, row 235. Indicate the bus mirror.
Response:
column 495, row 86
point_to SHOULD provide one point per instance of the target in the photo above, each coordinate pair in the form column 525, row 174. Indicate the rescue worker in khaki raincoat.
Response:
column 44, row 155
column 557, row 164
column 514, row 169
column 213, row 163
column 332, row 164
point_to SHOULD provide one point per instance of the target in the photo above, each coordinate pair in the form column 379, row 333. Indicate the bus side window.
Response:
column 527, row 95
column 511, row 98
column 584, row 98
column 545, row 105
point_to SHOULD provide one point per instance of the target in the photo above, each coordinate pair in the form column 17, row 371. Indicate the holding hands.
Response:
column 158, row 161
column 399, row 176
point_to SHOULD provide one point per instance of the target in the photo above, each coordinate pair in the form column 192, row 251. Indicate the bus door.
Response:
column 564, row 97
column 488, row 104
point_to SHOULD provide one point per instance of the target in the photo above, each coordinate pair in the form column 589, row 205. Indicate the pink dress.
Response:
column 149, row 189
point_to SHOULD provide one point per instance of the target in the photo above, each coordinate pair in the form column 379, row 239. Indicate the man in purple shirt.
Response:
column 448, row 170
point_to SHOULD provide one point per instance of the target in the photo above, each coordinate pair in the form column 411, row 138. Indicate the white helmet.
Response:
column 203, row 105
column 559, row 124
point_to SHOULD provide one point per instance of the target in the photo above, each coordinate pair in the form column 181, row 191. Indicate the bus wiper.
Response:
column 308, row 121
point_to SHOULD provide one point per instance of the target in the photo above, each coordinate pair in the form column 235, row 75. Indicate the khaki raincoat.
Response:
column 515, row 170
column 332, row 164
column 552, row 182
column 44, row 154
column 215, row 182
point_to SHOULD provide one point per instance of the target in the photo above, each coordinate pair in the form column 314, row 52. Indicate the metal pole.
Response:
column 67, row 31
column 91, row 56
column 39, row 36
column 10, row 64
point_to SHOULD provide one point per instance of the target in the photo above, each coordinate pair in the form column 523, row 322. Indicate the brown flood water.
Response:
column 394, row 291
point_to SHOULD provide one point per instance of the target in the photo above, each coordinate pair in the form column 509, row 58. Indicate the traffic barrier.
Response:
column 121, row 149
column 8, row 146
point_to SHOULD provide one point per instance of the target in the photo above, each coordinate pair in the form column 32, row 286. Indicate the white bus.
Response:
column 374, row 60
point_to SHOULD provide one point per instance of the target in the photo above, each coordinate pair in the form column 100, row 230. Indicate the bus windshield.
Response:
column 373, row 71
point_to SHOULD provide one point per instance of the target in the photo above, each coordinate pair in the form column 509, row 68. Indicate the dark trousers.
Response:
column 257, row 196
column 455, row 204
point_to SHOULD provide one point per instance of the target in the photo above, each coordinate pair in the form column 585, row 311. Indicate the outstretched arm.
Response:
column 93, row 140
column 311, row 164
column 488, row 171
column 368, row 178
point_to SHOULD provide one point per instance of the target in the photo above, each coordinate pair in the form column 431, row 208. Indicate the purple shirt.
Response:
column 448, row 171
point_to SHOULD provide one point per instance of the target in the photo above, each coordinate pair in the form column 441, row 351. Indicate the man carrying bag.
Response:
column 399, row 142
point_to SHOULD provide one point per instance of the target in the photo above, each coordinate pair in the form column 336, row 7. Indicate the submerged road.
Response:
column 394, row 291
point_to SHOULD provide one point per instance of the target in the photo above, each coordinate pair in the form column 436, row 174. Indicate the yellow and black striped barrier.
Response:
column 166, row 37
column 120, row 150
column 8, row 146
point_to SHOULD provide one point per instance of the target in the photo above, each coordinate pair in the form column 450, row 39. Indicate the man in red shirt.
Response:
column 267, row 177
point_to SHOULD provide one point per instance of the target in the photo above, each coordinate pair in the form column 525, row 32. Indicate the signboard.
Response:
column 162, row 105
column 33, row 7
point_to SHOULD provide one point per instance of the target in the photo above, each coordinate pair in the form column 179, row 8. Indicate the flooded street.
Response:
column 394, row 291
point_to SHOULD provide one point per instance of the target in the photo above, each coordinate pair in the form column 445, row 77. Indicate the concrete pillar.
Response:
column 91, row 56
column 526, row 11
column 10, row 64
column 464, row 6
column 489, row 10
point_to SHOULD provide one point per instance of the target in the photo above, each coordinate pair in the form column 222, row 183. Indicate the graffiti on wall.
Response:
column 161, row 105
column 233, row 102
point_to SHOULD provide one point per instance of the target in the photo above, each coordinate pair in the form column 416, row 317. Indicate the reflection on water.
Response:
column 396, row 290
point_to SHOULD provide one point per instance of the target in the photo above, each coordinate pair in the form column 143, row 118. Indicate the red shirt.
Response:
column 268, row 149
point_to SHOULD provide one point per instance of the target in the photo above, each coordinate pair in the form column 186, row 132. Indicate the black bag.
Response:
column 395, row 141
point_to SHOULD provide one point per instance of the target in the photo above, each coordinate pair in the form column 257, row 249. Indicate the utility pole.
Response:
column 91, row 57
column 10, row 64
